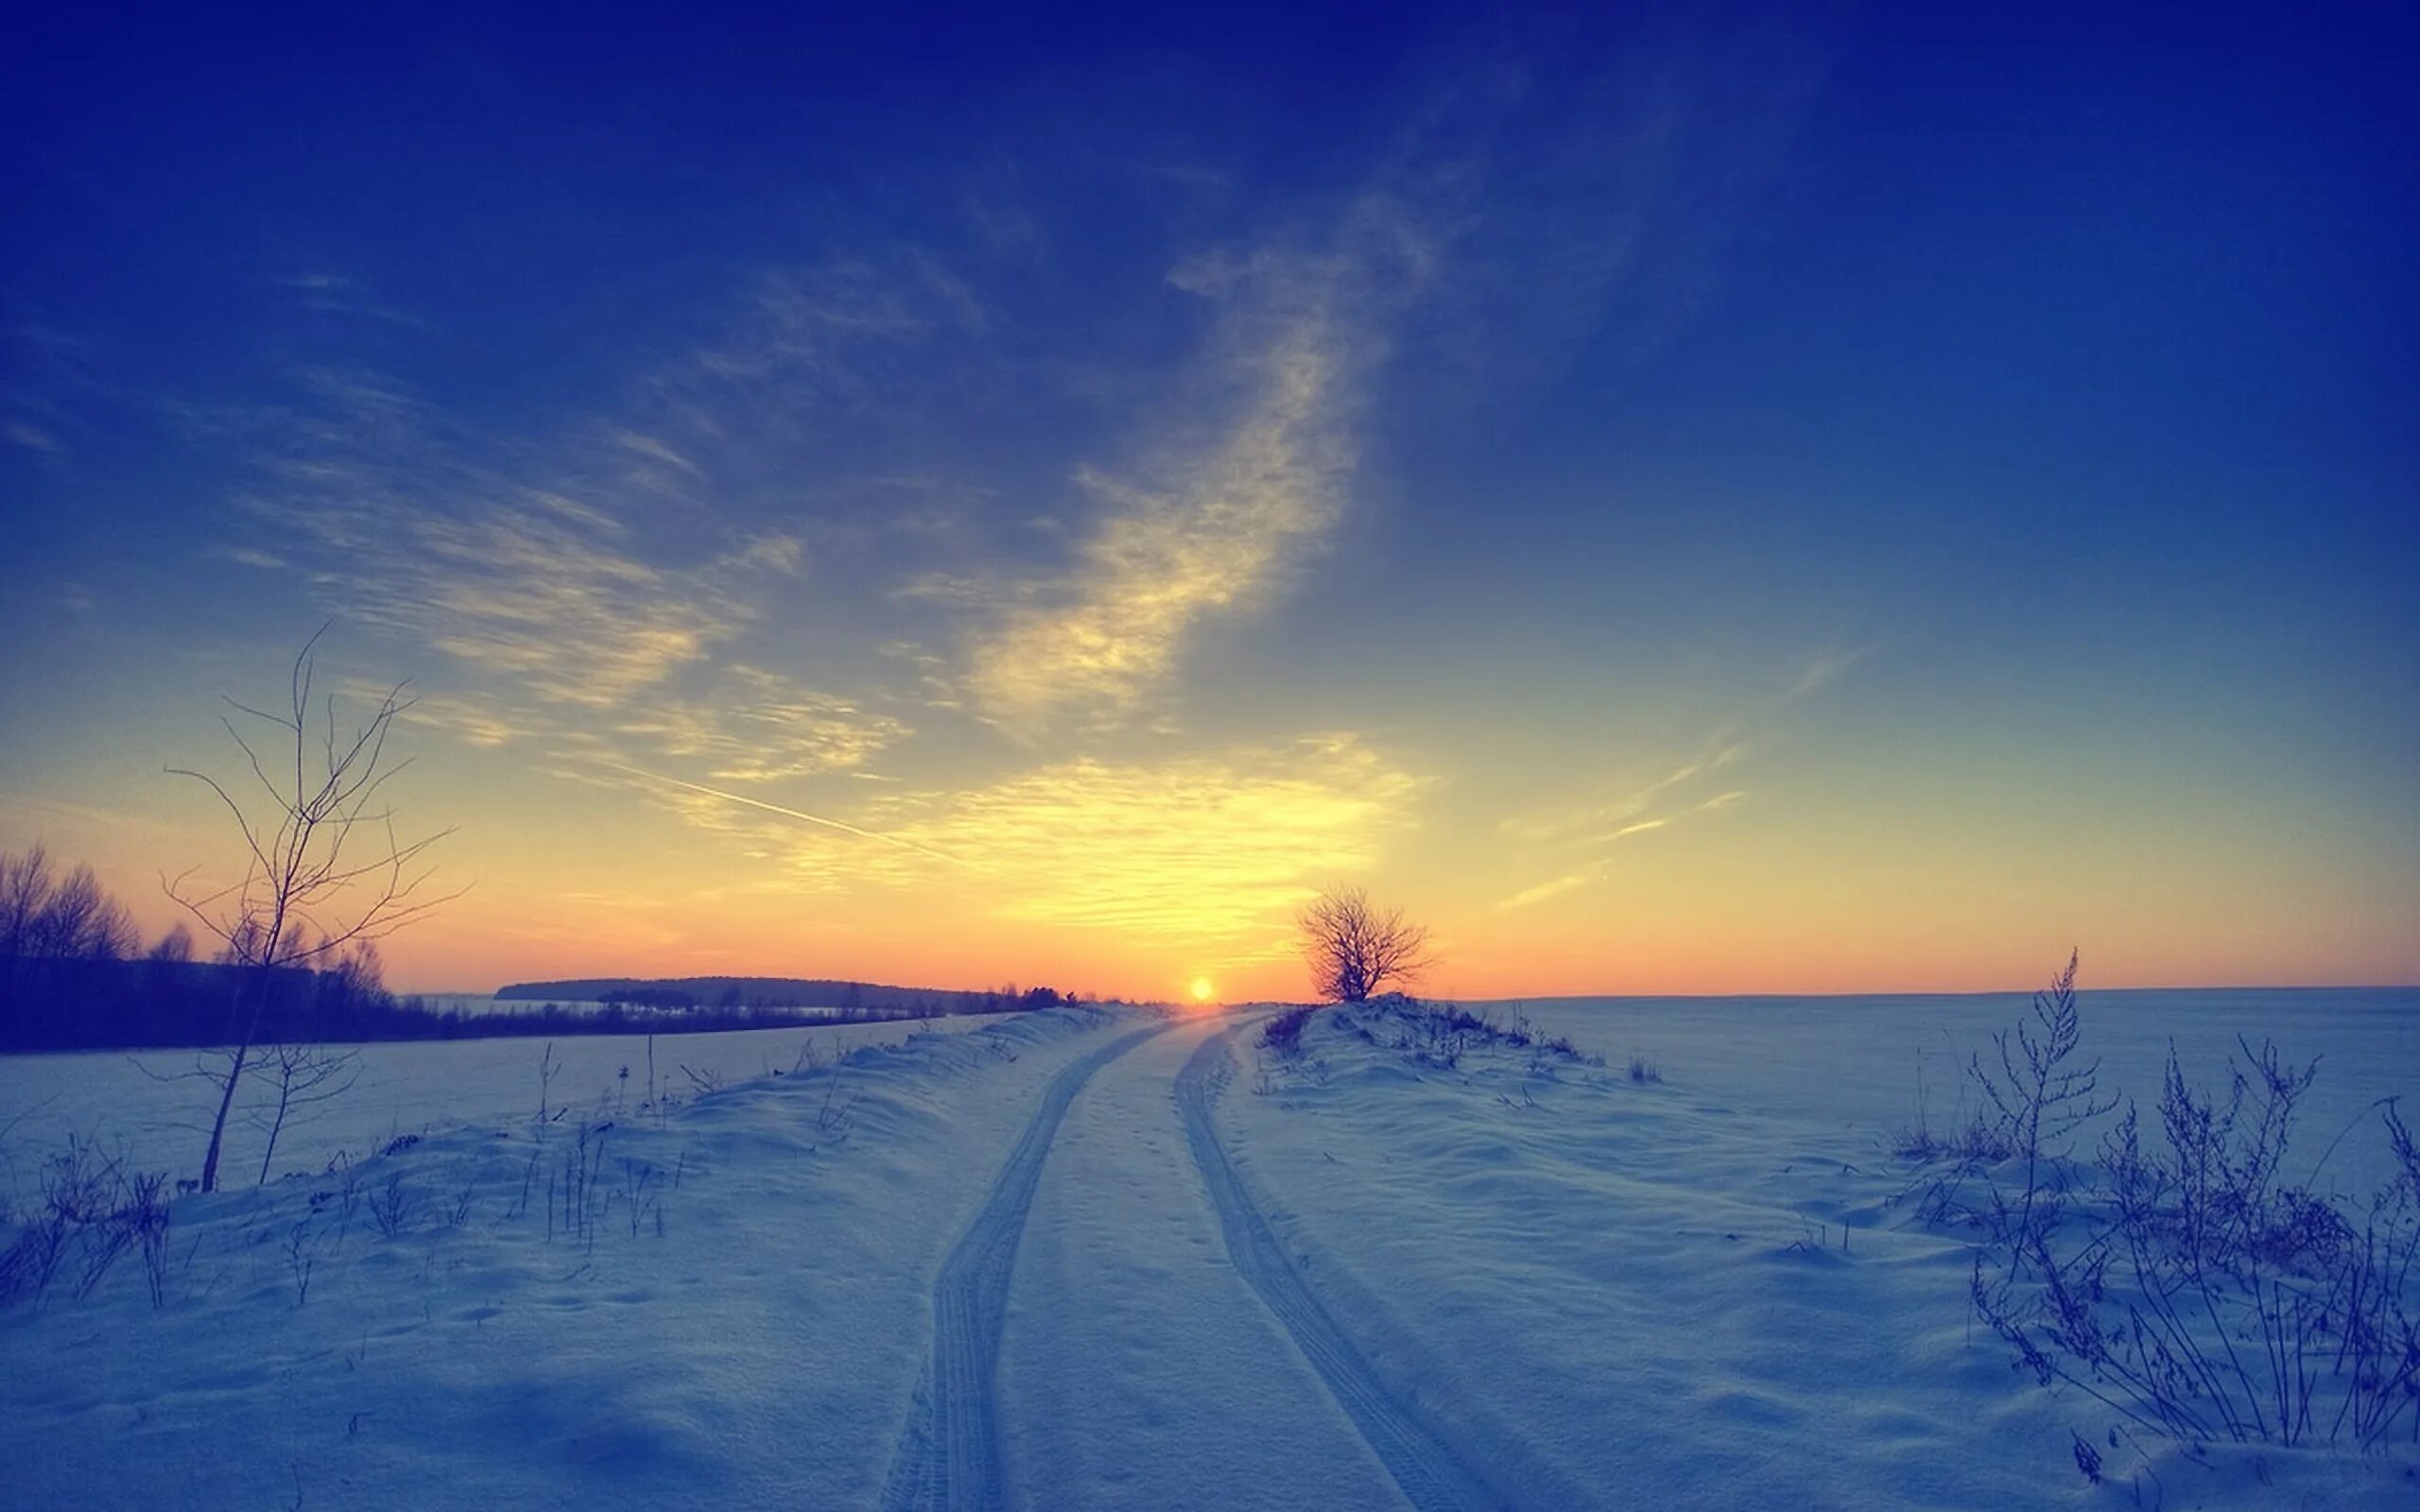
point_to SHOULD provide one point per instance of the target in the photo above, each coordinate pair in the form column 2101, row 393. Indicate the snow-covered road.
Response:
column 1167, row 1352
column 1418, row 1447
column 950, row 1454
column 1138, row 1368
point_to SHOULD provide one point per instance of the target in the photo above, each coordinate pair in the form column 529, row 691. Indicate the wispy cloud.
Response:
column 1210, row 846
column 1513, row 214
column 498, row 574
column 1823, row 669
column 951, row 590
column 1554, row 888
column 1589, row 828
column 472, row 719
column 1164, row 559
column 1720, row 800
column 1597, row 816
column 1205, row 526
column 782, row 810
column 650, row 446
column 336, row 294
column 776, row 552
column 576, row 570
column 592, row 559
column 1595, row 869
column 806, row 336
column 1584, row 835
column 248, row 557
column 761, row 727
column 56, row 396
column 15, row 803
column 1205, row 847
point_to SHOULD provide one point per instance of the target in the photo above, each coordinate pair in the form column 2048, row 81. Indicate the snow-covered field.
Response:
column 118, row 1101
column 1706, row 1291
column 1086, row 1258
column 1850, row 1066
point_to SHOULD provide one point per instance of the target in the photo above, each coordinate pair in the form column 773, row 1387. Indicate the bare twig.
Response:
column 308, row 892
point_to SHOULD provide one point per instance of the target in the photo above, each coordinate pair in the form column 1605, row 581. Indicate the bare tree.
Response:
column 65, row 927
column 322, row 864
column 175, row 947
column 302, row 1077
column 25, row 897
column 25, row 892
column 69, row 918
column 47, row 923
column 81, row 922
column 113, row 936
column 1354, row 950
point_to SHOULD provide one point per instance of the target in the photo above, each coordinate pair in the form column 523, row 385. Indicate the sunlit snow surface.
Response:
column 1548, row 1286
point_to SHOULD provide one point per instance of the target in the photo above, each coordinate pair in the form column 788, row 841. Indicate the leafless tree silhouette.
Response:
column 302, row 1078
column 1356, row 950
column 59, row 919
column 323, row 867
column 49, row 922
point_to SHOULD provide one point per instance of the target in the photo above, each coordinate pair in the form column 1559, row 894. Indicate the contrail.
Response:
column 793, row 814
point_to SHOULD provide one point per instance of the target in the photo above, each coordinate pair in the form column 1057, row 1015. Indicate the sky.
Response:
column 1703, row 500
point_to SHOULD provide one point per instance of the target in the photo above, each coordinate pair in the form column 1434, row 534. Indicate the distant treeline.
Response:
column 761, row 992
column 147, row 1004
column 75, row 975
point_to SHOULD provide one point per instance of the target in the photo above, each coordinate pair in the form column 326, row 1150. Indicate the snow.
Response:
column 1129, row 1325
column 1093, row 1258
column 760, row 1340
column 1701, row 1291
column 117, row 1098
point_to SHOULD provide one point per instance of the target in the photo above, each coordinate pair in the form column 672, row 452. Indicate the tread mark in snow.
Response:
column 950, row 1454
column 1425, row 1466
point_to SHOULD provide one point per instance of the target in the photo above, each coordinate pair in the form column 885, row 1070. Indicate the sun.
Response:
column 1202, row 990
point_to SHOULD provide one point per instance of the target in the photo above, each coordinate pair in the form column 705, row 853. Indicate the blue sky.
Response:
column 1722, row 499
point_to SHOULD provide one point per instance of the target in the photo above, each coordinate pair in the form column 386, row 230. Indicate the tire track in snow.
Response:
column 1424, row 1465
column 949, row 1456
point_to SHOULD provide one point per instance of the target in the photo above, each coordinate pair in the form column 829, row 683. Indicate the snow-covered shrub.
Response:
column 1971, row 1144
column 1441, row 1033
column 301, row 1256
column 2009, row 1162
column 2040, row 1095
column 2212, row 1299
column 833, row 1119
column 93, row 1211
column 393, row 1207
column 1438, row 1034
column 639, row 1205
column 2180, row 1279
column 1284, row 1033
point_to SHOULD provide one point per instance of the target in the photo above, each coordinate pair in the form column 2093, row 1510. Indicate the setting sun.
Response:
column 1201, row 989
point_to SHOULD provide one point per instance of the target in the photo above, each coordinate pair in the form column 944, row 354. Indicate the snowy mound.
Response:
column 1670, row 1299
column 660, row 1310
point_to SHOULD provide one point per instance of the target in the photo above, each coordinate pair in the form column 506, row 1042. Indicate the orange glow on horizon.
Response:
column 1090, row 875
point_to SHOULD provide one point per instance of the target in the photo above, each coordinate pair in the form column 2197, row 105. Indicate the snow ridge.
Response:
column 1425, row 1466
column 949, row 1455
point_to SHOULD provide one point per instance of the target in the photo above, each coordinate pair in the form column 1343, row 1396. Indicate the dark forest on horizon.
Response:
column 75, row 975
